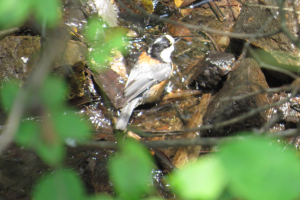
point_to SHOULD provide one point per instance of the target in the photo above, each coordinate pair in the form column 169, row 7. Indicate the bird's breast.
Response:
column 145, row 58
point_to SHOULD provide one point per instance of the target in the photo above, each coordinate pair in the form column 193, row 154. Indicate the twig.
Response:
column 187, row 142
column 199, row 27
column 266, row 24
column 264, row 65
column 212, row 40
column 263, row 90
column 270, row 7
column 233, row 120
column 53, row 50
column 8, row 32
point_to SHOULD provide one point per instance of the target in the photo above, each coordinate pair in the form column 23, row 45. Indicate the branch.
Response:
column 200, row 27
column 186, row 142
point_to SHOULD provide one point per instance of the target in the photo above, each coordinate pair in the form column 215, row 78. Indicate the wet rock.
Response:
column 91, row 164
column 157, row 118
column 75, row 76
column 210, row 71
column 75, row 52
column 74, row 18
column 276, row 49
column 246, row 78
column 99, row 117
column 290, row 110
column 184, row 58
column 19, row 169
column 15, row 53
column 288, row 113
column 169, row 116
column 111, row 83
column 19, row 53
column 105, row 10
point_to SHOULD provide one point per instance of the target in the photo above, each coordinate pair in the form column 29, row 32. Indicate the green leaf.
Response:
column 99, row 56
column 8, row 95
column 52, row 154
column 154, row 198
column 100, row 197
column 260, row 169
column 47, row 11
column 53, row 92
column 103, row 40
column 28, row 134
column 14, row 12
column 131, row 170
column 61, row 184
column 94, row 31
column 117, row 40
column 71, row 126
column 204, row 179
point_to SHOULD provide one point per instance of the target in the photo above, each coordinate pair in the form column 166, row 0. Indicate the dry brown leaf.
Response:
column 186, row 2
column 178, row 3
column 189, row 154
column 186, row 12
column 180, row 31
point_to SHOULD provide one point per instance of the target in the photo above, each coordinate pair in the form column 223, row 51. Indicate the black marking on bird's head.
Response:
column 162, row 48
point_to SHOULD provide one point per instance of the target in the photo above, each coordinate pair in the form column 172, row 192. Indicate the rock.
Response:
column 111, row 83
column 19, row 53
column 15, row 53
column 106, row 11
column 75, row 52
column 290, row 109
column 212, row 68
column 246, row 78
column 276, row 50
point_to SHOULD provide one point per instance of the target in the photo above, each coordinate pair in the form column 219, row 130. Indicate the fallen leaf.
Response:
column 180, row 31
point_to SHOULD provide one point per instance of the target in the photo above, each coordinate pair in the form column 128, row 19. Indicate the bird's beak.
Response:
column 177, row 39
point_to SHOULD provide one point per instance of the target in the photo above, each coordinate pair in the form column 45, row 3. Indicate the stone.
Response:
column 246, row 78
column 212, row 68
column 18, row 55
column 276, row 50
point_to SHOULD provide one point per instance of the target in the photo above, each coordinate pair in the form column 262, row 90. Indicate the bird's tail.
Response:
column 126, row 112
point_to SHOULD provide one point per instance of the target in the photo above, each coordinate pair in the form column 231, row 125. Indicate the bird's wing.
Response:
column 144, row 77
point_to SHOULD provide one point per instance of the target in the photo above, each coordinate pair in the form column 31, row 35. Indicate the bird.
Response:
column 147, row 79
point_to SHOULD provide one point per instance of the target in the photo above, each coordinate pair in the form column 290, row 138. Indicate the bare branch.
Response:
column 200, row 27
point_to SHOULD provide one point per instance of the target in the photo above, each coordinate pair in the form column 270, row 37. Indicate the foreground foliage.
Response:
column 248, row 168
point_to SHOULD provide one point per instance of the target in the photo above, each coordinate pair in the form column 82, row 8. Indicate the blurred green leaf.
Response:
column 52, row 154
column 53, row 92
column 28, row 134
column 61, row 184
column 47, row 11
column 260, row 169
column 48, row 145
column 103, row 40
column 94, row 31
column 9, row 92
column 100, row 197
column 204, row 179
column 131, row 170
column 99, row 56
column 71, row 126
column 154, row 198
column 14, row 12
column 117, row 40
